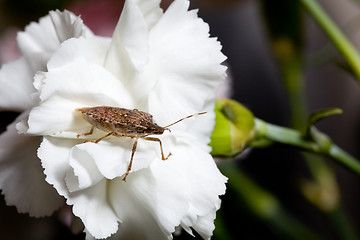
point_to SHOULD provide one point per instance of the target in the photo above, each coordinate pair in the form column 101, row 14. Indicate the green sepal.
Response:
column 310, row 131
column 323, row 113
column 234, row 128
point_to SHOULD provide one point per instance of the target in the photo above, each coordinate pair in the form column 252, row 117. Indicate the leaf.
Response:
column 324, row 113
column 319, row 115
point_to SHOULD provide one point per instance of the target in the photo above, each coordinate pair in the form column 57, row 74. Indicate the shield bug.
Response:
column 122, row 122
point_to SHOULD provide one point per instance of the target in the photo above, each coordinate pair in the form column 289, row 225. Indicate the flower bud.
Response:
column 234, row 128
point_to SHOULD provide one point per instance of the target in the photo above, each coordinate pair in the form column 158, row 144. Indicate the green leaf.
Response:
column 323, row 113
column 317, row 116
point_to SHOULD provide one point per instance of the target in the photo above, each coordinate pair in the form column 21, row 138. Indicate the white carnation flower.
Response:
column 163, row 63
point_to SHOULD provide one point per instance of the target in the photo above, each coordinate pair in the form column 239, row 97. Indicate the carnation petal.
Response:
column 16, row 86
column 92, row 206
column 22, row 180
column 40, row 40
column 146, row 205
column 92, row 49
column 57, row 117
column 149, row 196
column 151, row 11
column 83, row 172
column 200, row 168
column 206, row 182
column 37, row 43
column 112, row 156
column 205, row 224
column 83, row 76
column 67, row 25
column 54, row 153
column 67, row 88
column 183, row 73
column 184, row 70
column 129, row 50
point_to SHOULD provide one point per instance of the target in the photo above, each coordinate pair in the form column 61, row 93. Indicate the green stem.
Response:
column 339, row 218
column 265, row 206
column 295, row 138
column 293, row 82
column 344, row 158
column 345, row 47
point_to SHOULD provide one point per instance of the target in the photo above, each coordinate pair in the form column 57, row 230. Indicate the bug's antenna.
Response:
column 184, row 119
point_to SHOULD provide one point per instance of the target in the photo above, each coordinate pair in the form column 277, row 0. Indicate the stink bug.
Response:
column 122, row 122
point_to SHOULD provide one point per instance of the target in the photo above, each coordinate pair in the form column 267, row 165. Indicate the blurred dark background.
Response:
column 256, row 81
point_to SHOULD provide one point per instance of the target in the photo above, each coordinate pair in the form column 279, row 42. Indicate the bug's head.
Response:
column 151, row 129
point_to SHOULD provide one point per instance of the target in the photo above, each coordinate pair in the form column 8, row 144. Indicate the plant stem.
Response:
column 294, row 85
column 344, row 158
column 295, row 138
column 285, row 23
column 339, row 218
column 265, row 206
column 345, row 47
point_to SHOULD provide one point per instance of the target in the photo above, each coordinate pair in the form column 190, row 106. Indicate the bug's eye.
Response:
column 140, row 130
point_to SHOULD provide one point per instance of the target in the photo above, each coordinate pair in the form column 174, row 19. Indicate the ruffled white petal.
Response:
column 92, row 49
column 206, row 182
column 76, row 70
column 129, row 50
column 40, row 40
column 81, row 78
column 54, row 155
column 93, row 207
column 112, row 156
column 64, row 89
column 200, row 167
column 151, row 11
column 83, row 172
column 37, row 44
column 56, row 117
column 205, row 224
column 21, row 176
column 180, row 66
column 16, row 86
column 67, row 25
column 146, row 206
column 153, row 189
column 90, row 204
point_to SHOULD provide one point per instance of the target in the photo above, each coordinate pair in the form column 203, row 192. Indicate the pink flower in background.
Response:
column 100, row 16
column 8, row 47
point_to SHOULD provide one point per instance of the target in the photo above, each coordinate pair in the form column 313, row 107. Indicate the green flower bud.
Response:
column 234, row 128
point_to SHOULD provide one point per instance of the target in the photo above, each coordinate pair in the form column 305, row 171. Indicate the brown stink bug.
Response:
column 122, row 122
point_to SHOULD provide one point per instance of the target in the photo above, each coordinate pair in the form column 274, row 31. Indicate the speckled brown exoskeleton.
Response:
column 122, row 122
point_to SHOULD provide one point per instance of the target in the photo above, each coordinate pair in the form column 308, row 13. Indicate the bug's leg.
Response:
column 161, row 148
column 98, row 140
column 131, row 159
column 85, row 134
